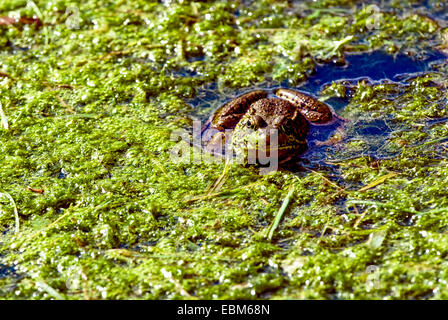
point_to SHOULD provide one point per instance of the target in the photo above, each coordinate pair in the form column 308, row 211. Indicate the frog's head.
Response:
column 270, row 127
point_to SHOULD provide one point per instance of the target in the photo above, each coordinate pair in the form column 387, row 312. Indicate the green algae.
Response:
column 90, row 112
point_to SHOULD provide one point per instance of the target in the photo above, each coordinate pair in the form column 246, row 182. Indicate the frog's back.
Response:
column 314, row 110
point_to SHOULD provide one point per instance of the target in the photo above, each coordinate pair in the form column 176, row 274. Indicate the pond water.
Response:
column 374, row 68
column 7, row 271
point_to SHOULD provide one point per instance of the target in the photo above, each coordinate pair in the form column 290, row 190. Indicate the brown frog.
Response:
column 263, row 126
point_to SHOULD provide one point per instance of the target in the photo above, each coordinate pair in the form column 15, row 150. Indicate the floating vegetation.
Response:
column 93, row 207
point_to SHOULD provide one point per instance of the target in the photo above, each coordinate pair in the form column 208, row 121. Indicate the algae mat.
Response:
column 93, row 207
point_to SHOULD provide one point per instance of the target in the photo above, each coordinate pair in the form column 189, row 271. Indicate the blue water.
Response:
column 6, row 271
column 373, row 66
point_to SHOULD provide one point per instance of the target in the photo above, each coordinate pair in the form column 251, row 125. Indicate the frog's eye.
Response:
column 251, row 123
column 256, row 122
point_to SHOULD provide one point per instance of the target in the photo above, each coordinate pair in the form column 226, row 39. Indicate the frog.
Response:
column 264, row 125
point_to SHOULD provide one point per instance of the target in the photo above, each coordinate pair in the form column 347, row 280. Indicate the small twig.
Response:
column 222, row 178
column 7, row 21
column 63, row 85
column 51, row 225
column 280, row 213
column 21, row 20
column 439, row 140
column 360, row 218
column 323, row 230
column 41, row 191
column 378, row 181
column 327, row 180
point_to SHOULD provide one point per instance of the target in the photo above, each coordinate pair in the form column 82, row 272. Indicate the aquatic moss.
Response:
column 105, row 213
